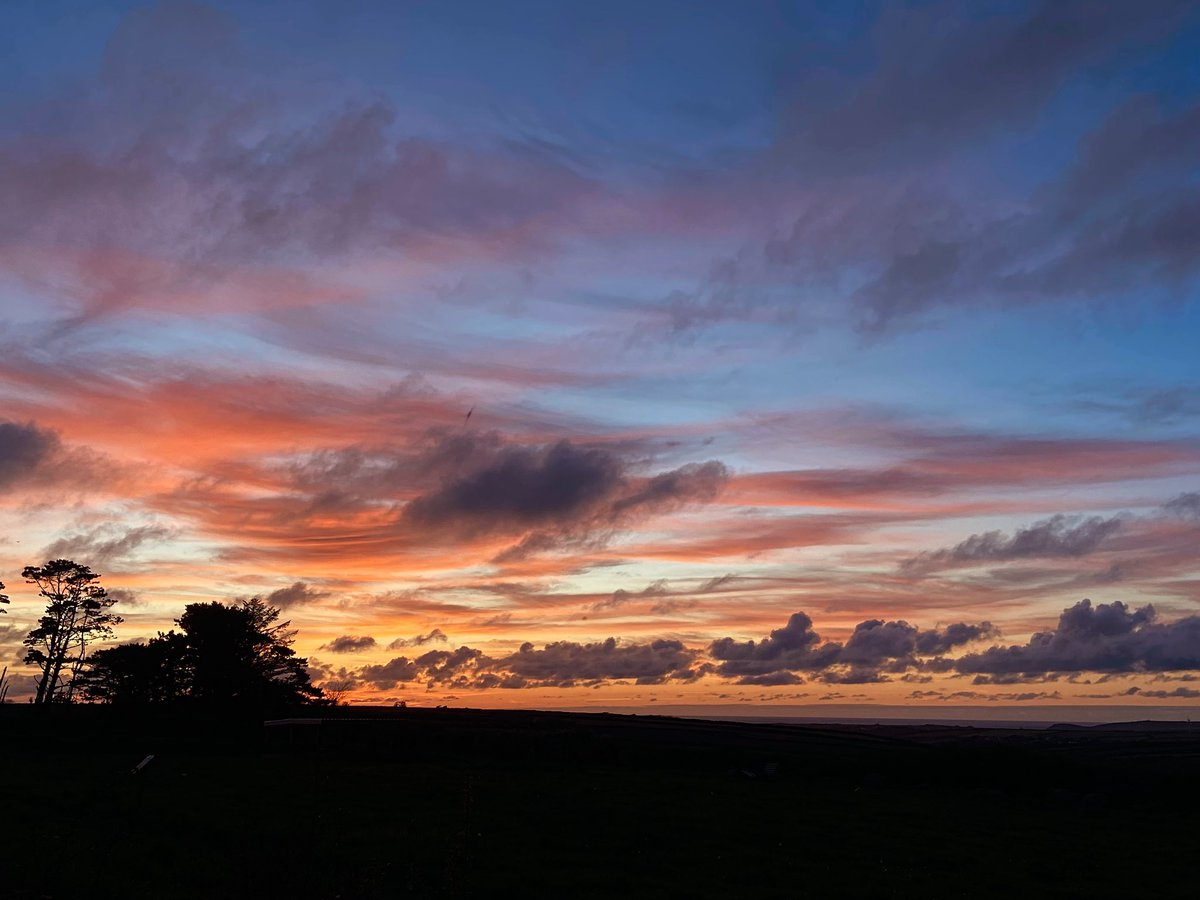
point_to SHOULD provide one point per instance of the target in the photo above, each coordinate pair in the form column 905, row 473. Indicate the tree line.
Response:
column 221, row 654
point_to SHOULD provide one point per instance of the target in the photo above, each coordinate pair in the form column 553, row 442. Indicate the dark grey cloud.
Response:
column 621, row 597
column 713, row 584
column 559, row 495
column 32, row 457
column 771, row 679
column 557, row 664
column 125, row 596
column 450, row 486
column 565, row 663
column 400, row 670
column 795, row 646
column 943, row 77
column 436, row 636
column 1140, row 142
column 349, row 644
column 105, row 545
column 1108, row 638
column 874, row 650
column 352, row 477
column 1058, row 536
column 876, row 642
column 693, row 483
column 23, row 448
column 1185, row 506
column 295, row 594
column 974, row 696
column 1177, row 693
column 525, row 487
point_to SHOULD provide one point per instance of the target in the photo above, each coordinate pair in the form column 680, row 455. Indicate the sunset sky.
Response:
column 477, row 334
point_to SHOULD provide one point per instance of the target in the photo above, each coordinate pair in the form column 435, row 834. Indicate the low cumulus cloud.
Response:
column 1179, row 693
column 1109, row 637
column 295, row 594
column 874, row 649
column 1058, row 536
column 565, row 663
column 976, row 696
column 557, row 664
column 349, row 644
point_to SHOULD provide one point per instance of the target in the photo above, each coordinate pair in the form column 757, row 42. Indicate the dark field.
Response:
column 444, row 803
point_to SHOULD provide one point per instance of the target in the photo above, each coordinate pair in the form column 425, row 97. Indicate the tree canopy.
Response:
column 238, row 654
column 77, row 614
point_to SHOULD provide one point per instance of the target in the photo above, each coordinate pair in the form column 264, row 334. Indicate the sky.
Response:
column 577, row 354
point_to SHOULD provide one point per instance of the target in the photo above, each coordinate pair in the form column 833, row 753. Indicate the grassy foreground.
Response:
column 447, row 803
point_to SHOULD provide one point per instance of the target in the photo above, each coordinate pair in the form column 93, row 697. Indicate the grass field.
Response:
column 433, row 803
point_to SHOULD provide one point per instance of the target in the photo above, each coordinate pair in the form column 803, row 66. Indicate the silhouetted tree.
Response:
column 238, row 654
column 335, row 691
column 153, row 672
column 4, row 674
column 77, row 613
column 242, row 653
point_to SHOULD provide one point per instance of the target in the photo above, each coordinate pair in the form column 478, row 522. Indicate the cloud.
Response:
column 349, row 644
column 557, row 495
column 1141, row 406
column 144, row 206
column 1117, row 218
column 1179, row 692
column 874, row 648
column 795, row 646
column 556, row 664
column 430, row 491
column 23, row 448
column 105, row 545
column 436, row 636
column 943, row 79
column 1185, row 506
column 876, row 642
column 295, row 594
column 1058, row 536
column 975, row 696
column 34, row 458
column 621, row 596
column 1110, row 638
column 771, row 679
column 524, row 487
column 713, row 584
column 564, row 663
column 125, row 597
column 386, row 676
